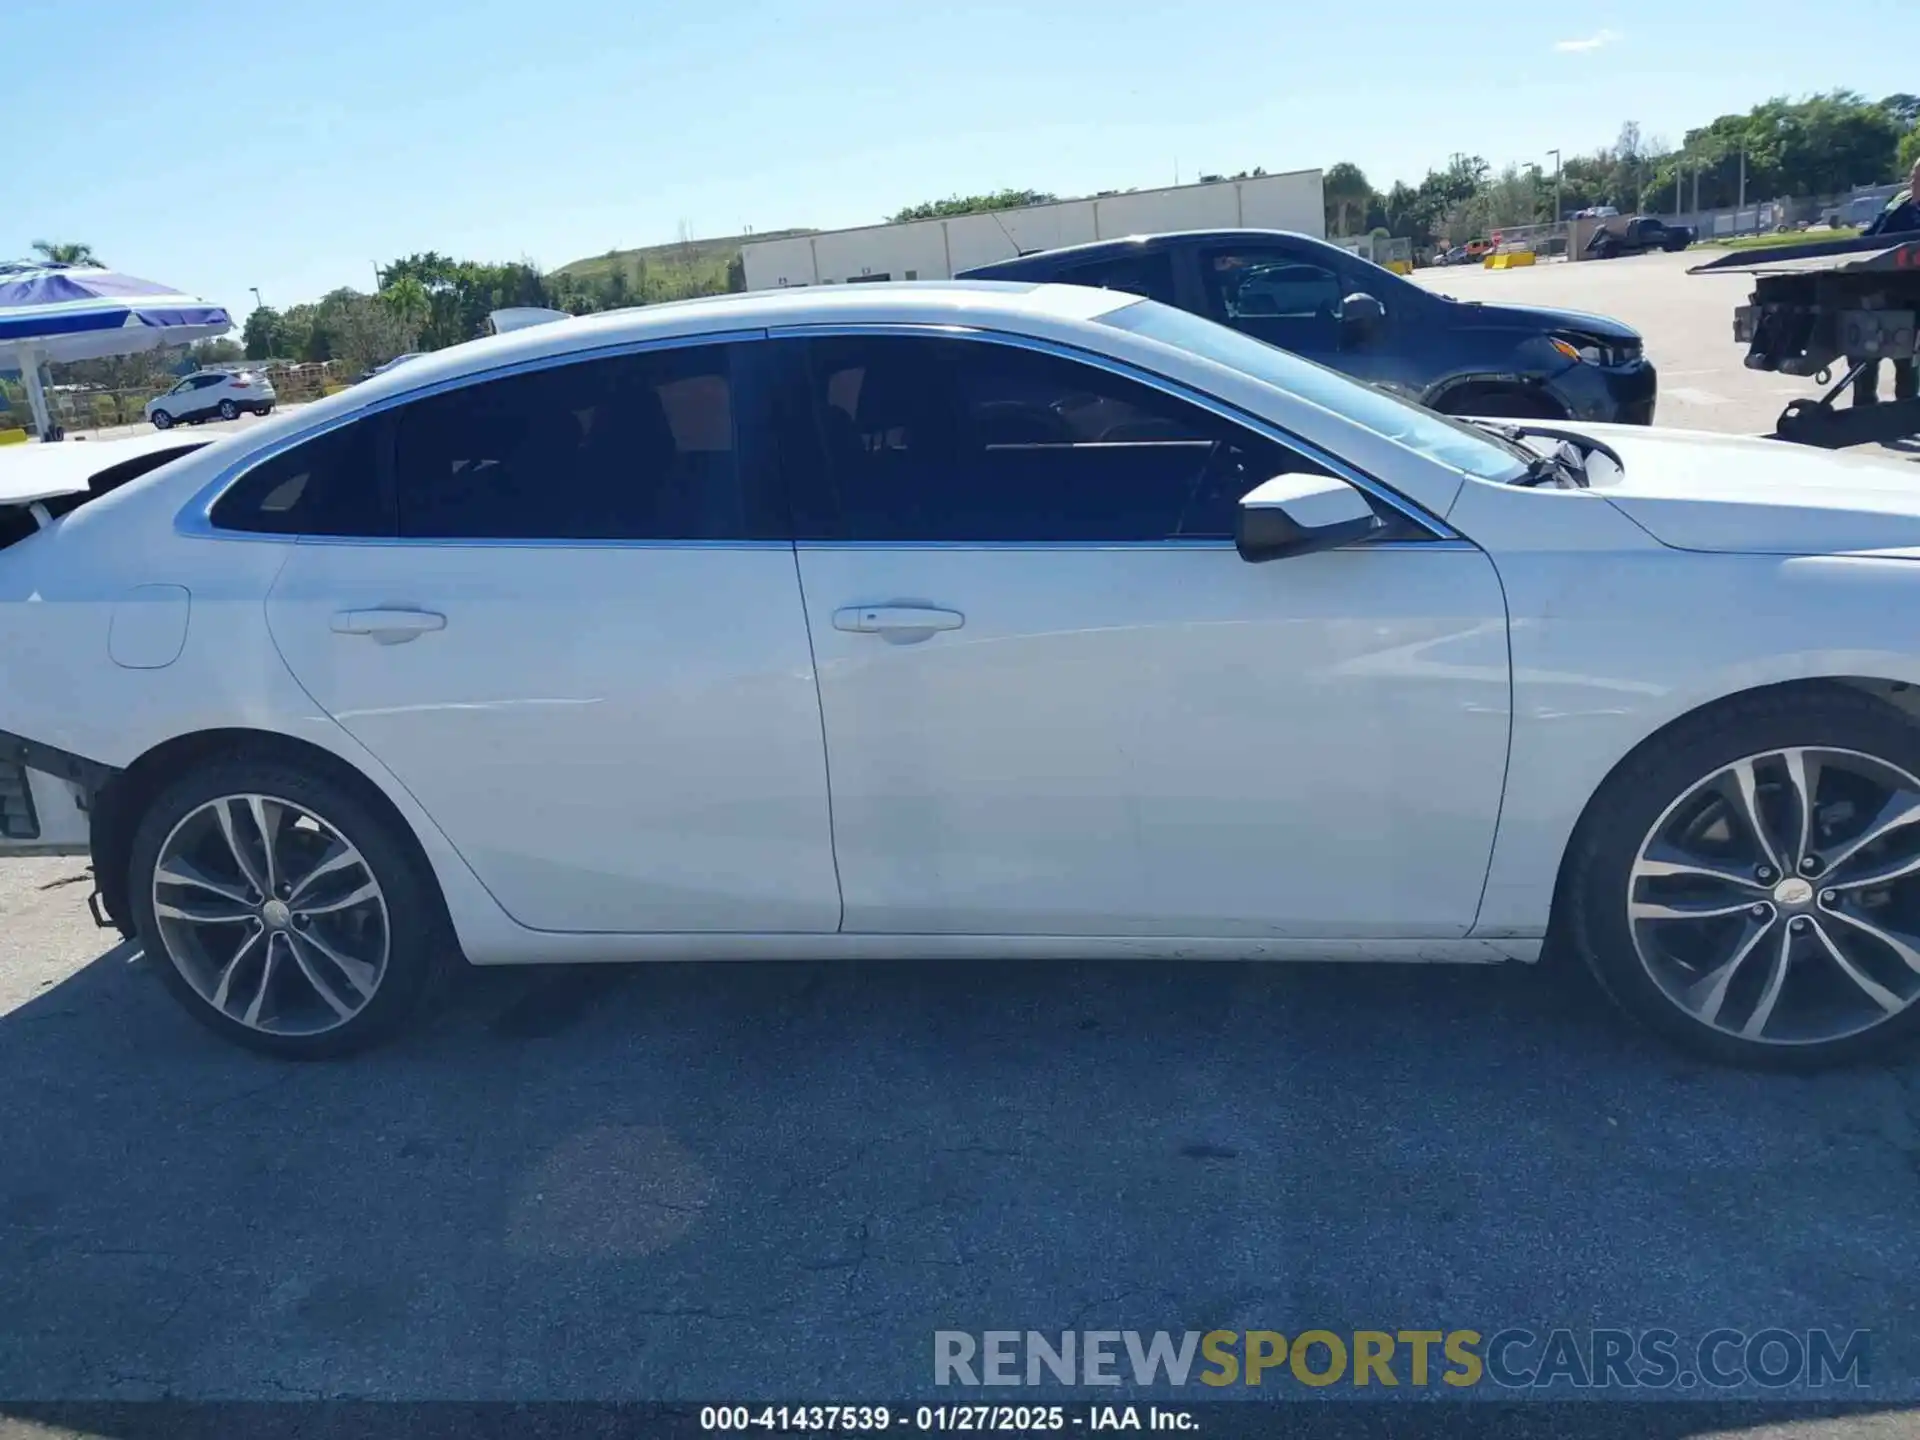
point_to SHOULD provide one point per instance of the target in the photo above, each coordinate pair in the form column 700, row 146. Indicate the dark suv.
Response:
column 1351, row 315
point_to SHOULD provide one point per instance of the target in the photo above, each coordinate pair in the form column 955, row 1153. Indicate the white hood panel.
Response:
column 1697, row 491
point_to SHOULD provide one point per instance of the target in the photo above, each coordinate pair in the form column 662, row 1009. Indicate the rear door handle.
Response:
column 388, row 627
column 885, row 619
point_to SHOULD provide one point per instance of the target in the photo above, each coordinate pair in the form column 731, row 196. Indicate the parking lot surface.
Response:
column 206, row 427
column 1687, row 321
column 722, row 1180
column 732, row 1181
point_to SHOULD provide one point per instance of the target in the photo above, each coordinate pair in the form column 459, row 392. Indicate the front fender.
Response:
column 1609, row 648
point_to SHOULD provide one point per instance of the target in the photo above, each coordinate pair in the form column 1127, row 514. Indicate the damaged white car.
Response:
column 967, row 620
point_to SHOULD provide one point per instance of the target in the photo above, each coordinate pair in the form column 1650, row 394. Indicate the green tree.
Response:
column 66, row 252
column 1909, row 151
column 364, row 330
column 259, row 334
column 407, row 300
column 1347, row 195
column 217, row 351
column 1905, row 109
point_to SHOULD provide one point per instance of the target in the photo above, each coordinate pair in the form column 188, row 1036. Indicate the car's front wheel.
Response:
column 161, row 420
column 283, row 910
column 1749, row 886
column 229, row 410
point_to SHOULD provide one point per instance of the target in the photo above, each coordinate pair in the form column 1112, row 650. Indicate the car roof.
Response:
column 1092, row 250
column 951, row 302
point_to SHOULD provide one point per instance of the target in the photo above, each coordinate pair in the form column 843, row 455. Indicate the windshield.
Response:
column 1424, row 431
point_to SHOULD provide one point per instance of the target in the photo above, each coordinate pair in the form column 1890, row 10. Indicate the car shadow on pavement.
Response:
column 719, row 1180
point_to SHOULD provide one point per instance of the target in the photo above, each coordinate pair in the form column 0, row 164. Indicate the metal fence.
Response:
column 78, row 409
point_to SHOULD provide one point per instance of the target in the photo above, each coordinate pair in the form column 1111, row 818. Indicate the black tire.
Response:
column 1634, row 798
column 229, row 410
column 161, row 420
column 421, row 948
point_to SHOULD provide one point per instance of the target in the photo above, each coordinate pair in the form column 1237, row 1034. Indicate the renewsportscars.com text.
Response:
column 1513, row 1358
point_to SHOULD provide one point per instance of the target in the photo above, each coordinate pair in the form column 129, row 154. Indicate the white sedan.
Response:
column 971, row 620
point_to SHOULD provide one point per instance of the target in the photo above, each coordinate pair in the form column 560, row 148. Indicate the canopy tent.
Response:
column 55, row 312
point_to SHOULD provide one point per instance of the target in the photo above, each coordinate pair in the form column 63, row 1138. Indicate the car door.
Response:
column 1285, row 297
column 205, row 394
column 1058, row 702
column 181, row 401
column 579, row 645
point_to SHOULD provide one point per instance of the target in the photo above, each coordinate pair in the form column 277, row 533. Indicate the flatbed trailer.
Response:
column 1827, row 306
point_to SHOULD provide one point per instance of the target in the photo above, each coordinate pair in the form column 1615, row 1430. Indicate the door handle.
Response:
column 388, row 627
column 885, row 619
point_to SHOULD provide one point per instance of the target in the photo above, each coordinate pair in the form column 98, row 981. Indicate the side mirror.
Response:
column 1299, row 514
column 1361, row 313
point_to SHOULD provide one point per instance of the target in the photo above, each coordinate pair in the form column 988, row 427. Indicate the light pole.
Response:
column 1556, row 185
column 258, row 303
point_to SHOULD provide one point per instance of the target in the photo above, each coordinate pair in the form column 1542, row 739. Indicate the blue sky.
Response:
column 219, row 146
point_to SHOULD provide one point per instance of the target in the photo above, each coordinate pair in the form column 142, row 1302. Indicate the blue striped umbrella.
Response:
column 53, row 311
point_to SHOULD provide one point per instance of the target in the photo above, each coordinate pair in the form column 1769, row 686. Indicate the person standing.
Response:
column 1900, row 217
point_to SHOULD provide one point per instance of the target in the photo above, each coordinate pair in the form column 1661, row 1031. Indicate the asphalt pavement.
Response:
column 739, row 1181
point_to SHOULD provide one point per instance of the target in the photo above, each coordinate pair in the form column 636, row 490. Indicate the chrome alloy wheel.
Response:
column 1778, row 899
column 271, row 915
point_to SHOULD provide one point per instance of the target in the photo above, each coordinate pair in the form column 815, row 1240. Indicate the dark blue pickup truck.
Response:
column 1351, row 315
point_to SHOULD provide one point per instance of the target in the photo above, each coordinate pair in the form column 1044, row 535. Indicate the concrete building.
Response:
column 936, row 249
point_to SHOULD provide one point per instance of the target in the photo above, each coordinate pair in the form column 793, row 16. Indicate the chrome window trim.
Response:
column 1167, row 385
column 195, row 521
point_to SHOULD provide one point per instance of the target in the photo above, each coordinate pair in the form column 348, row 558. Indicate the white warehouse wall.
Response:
column 935, row 249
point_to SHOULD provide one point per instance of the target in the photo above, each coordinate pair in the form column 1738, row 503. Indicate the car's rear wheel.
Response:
column 229, row 410
column 161, row 420
column 283, row 910
column 1749, row 886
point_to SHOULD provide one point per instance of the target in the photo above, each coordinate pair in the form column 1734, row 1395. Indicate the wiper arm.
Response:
column 1555, row 468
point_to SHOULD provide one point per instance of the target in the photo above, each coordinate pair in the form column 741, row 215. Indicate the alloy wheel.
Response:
column 272, row 916
column 1778, row 899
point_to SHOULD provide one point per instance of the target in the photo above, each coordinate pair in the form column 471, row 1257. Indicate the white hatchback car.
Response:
column 212, row 395
column 968, row 620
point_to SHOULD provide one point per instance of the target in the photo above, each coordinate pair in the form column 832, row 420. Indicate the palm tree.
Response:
column 66, row 252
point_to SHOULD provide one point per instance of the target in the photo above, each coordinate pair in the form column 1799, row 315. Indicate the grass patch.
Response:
column 1791, row 237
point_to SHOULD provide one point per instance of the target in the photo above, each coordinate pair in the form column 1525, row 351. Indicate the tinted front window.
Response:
column 964, row 440
column 1148, row 275
column 327, row 486
column 640, row 447
column 1424, row 431
column 1255, row 284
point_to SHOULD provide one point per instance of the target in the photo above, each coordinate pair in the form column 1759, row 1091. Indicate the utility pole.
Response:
column 1743, row 182
column 1556, row 185
column 1696, row 191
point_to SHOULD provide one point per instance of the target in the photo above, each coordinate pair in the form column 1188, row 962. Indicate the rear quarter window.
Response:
column 328, row 485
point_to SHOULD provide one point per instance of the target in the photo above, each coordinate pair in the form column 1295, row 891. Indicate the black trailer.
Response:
column 1825, row 306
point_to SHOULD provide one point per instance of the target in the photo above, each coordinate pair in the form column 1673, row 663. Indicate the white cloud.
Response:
column 1591, row 42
